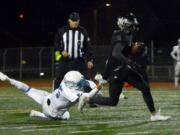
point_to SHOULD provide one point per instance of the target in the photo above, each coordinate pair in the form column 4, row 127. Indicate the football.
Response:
column 136, row 48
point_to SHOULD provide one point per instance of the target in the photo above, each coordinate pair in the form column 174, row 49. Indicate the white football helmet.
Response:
column 74, row 80
column 128, row 23
column 178, row 41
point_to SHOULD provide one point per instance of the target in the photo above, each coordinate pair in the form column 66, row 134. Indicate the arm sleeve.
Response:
column 58, row 41
column 87, row 47
column 120, row 48
column 92, row 85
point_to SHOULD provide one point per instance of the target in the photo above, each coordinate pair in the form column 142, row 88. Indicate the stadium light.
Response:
column 21, row 16
column 41, row 74
column 108, row 4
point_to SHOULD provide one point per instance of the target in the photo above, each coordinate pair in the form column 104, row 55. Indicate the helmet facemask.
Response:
column 74, row 85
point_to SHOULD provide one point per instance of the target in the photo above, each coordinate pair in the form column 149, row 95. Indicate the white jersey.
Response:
column 175, row 53
column 61, row 99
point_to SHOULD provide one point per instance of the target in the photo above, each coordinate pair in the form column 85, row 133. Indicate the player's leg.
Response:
column 13, row 82
column 115, row 89
column 35, row 94
column 177, row 71
column 138, row 81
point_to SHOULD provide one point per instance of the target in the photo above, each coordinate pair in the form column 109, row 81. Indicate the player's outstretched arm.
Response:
column 85, row 97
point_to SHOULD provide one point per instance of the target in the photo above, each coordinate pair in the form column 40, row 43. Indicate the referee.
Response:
column 72, row 49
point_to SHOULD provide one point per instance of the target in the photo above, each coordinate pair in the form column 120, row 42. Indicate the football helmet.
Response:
column 128, row 23
column 74, row 80
column 178, row 41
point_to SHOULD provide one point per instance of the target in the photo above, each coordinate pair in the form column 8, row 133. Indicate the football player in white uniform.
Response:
column 55, row 105
column 175, row 54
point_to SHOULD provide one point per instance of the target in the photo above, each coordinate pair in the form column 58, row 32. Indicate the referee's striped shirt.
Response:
column 74, row 41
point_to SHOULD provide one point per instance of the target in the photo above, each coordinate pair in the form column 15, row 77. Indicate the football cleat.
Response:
column 3, row 77
column 159, row 117
column 82, row 102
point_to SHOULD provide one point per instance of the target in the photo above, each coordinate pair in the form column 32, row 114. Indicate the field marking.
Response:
column 16, row 110
column 87, row 131
column 89, row 122
column 42, row 129
column 134, row 133
column 20, row 127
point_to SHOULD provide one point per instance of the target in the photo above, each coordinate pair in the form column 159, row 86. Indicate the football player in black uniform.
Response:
column 122, row 67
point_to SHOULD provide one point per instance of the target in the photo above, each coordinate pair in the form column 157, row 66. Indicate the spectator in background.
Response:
column 175, row 54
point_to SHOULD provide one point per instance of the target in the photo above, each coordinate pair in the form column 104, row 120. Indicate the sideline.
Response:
column 48, row 83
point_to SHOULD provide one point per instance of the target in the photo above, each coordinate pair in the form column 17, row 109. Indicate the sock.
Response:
column 176, row 81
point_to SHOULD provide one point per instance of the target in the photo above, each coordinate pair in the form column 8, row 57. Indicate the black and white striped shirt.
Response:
column 74, row 41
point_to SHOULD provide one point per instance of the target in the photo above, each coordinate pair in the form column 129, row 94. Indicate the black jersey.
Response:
column 74, row 41
column 119, row 55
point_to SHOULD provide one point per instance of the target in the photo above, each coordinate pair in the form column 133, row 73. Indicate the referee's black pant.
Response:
column 66, row 65
column 137, row 79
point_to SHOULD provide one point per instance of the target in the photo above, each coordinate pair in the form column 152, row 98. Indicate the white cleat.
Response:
column 159, row 117
column 3, row 77
column 82, row 102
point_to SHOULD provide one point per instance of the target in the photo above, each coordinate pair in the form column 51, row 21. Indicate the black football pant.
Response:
column 132, row 77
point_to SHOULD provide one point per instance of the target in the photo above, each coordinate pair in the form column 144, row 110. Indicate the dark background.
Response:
column 159, row 20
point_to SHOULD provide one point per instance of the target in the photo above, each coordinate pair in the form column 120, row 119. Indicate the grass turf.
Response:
column 130, row 117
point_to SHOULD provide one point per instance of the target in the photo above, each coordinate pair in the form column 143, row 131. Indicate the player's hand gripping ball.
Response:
column 137, row 48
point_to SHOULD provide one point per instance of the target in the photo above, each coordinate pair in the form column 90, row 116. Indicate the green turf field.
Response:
column 130, row 117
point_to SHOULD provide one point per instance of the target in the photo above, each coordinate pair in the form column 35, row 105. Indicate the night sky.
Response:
column 159, row 20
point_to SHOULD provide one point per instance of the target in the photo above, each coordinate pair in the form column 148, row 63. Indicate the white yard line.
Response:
column 87, row 131
column 16, row 110
column 41, row 129
column 21, row 127
column 134, row 133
